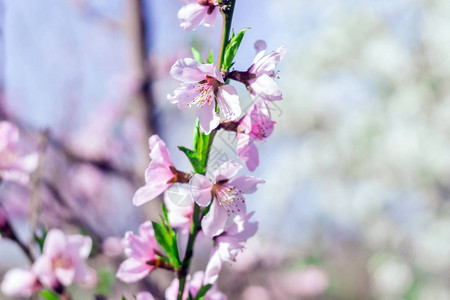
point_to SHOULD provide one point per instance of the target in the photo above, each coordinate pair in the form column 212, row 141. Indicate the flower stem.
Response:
column 227, row 13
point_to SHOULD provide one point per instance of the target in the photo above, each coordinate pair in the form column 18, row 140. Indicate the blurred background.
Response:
column 356, row 203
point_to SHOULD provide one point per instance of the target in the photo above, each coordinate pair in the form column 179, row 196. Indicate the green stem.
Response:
column 197, row 216
column 227, row 14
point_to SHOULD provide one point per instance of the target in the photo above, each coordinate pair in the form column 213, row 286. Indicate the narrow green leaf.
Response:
column 40, row 240
column 193, row 158
column 48, row 295
column 231, row 49
column 196, row 55
column 165, row 240
column 196, row 133
column 206, row 210
column 164, row 209
column 202, row 292
column 210, row 59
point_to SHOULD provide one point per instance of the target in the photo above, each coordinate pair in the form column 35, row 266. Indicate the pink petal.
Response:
column 260, row 47
column 85, row 276
column 196, row 282
column 215, row 220
column 247, row 184
column 138, row 247
column 144, row 296
column 80, row 245
column 208, row 118
column 266, row 87
column 210, row 19
column 184, row 95
column 213, row 268
column 147, row 234
column 158, row 150
column 9, row 135
column 19, row 283
column 158, row 173
column 212, row 71
column 192, row 15
column 229, row 248
column 228, row 100
column 65, row 275
column 201, row 189
column 55, row 243
column 149, row 192
column 269, row 62
column 43, row 268
column 172, row 291
column 242, row 228
column 132, row 270
column 247, row 152
column 187, row 70
column 227, row 170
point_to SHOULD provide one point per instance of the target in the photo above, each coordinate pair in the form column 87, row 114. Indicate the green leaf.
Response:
column 193, row 158
column 210, row 59
column 167, row 239
column 196, row 55
column 106, row 279
column 206, row 210
column 48, row 295
column 231, row 49
column 199, row 156
column 165, row 212
column 202, row 292
column 40, row 240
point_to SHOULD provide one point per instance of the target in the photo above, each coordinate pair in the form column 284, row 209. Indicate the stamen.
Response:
column 230, row 197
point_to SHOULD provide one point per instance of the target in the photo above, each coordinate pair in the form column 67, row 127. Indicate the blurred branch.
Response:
column 36, row 180
column 76, row 218
column 102, row 164
column 137, row 31
column 90, row 12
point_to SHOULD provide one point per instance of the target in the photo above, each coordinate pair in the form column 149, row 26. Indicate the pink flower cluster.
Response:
column 61, row 264
column 13, row 165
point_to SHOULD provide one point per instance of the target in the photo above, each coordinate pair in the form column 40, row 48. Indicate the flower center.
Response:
column 260, row 131
column 206, row 90
column 62, row 262
column 229, row 196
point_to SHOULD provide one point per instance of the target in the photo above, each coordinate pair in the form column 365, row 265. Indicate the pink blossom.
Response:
column 193, row 286
column 20, row 283
column 13, row 166
column 144, row 296
column 62, row 260
column 256, row 125
column 180, row 208
column 159, row 174
column 140, row 251
column 203, row 85
column 197, row 12
column 229, row 244
column 225, row 193
column 263, row 69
